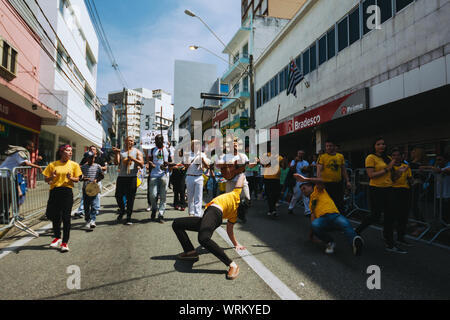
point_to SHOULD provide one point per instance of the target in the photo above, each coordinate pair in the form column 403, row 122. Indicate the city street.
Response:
column 123, row 262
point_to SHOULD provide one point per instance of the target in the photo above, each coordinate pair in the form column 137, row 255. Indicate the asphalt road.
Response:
column 138, row 262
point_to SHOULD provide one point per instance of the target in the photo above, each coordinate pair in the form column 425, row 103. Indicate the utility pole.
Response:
column 252, row 94
column 125, row 102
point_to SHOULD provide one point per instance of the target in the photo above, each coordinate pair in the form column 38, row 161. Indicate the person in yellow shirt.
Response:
column 61, row 175
column 401, row 189
column 226, row 206
column 331, row 168
column 325, row 215
column 379, row 168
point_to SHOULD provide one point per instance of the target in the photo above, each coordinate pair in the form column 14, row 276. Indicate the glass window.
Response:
column 400, row 4
column 313, row 57
column 298, row 62
column 367, row 4
column 343, row 34
column 353, row 21
column 88, row 98
column 286, row 76
column 322, row 49
column 90, row 61
column 258, row 98
column 13, row 61
column 386, row 9
column 281, row 80
column 275, row 82
column 245, row 84
column 245, row 51
column 331, row 43
column 5, row 55
column 306, row 62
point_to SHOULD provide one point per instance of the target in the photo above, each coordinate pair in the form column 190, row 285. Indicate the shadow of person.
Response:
column 187, row 266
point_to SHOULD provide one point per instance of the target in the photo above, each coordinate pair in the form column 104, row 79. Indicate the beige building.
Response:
column 284, row 9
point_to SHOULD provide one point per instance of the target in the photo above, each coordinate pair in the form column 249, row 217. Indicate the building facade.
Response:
column 362, row 79
column 22, row 112
column 284, row 9
column 157, row 112
column 68, row 77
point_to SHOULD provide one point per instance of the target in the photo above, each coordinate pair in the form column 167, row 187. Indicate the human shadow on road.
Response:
column 186, row 266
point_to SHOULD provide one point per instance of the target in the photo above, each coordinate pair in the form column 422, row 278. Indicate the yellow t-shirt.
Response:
column 332, row 164
column 268, row 172
column 229, row 202
column 321, row 203
column 377, row 163
column 62, row 169
column 402, row 182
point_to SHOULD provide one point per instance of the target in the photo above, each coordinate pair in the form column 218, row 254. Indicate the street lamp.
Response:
column 191, row 14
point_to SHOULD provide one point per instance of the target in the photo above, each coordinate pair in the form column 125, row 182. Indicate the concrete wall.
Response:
column 410, row 40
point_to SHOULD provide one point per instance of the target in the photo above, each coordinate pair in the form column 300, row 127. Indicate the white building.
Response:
column 360, row 81
column 255, row 34
column 151, row 118
column 68, row 81
column 191, row 79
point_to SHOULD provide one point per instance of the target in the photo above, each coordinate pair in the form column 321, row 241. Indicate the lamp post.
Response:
column 191, row 14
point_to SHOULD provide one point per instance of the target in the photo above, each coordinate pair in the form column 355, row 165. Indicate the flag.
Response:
column 295, row 77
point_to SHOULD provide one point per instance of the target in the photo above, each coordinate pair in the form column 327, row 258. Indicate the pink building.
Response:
column 21, row 111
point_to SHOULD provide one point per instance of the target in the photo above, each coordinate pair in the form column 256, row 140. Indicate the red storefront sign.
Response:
column 341, row 107
column 14, row 115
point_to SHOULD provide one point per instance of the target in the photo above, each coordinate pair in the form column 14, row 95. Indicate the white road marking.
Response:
column 16, row 245
column 269, row 278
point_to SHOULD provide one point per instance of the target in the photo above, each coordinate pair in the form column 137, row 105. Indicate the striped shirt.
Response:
column 90, row 172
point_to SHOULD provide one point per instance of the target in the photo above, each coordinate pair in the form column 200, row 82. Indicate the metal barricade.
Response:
column 441, row 203
column 6, row 198
column 360, row 191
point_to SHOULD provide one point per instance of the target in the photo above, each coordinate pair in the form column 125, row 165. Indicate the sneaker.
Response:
column 148, row 209
column 64, row 247
column 56, row 243
column 93, row 225
column 129, row 223
column 330, row 248
column 358, row 243
column 308, row 214
column 79, row 215
column 87, row 226
column 182, row 209
column 396, row 250
column 405, row 243
column 269, row 214
column 290, row 211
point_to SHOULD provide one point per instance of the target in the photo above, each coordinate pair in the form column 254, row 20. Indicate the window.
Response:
column 275, row 84
column 306, row 62
column 322, row 49
column 400, row 4
column 265, row 93
column 245, row 51
column 90, row 61
column 343, row 34
column 298, row 62
column 8, row 56
column 313, row 57
column 386, row 9
column 353, row 22
column 258, row 98
column 88, row 98
column 245, row 84
column 367, row 4
column 331, row 43
column 286, row 76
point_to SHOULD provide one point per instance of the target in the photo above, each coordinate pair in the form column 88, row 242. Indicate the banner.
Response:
column 148, row 138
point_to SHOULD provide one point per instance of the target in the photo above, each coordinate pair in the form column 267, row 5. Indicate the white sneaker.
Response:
column 56, row 243
column 330, row 248
column 93, row 225
column 64, row 247
column 87, row 226
column 149, row 209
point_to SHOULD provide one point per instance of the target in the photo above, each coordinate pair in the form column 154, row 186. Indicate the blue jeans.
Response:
column 91, row 206
column 158, row 186
column 331, row 222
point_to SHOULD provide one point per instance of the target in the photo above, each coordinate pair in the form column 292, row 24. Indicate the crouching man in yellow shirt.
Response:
column 325, row 215
column 226, row 206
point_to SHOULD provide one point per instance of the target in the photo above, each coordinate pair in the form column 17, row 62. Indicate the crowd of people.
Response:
column 318, row 185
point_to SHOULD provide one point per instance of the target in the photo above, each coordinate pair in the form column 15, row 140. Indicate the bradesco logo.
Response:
column 308, row 122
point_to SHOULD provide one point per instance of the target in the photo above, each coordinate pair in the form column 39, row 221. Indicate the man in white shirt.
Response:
column 195, row 162
column 301, row 167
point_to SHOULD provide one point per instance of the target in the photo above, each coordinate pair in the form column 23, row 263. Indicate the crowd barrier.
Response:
column 24, row 195
column 427, row 201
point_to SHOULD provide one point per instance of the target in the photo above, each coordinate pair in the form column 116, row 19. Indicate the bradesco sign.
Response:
column 341, row 107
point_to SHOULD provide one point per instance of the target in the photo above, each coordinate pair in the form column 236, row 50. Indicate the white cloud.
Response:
column 147, row 58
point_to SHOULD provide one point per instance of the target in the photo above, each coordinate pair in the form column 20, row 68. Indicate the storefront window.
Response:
column 47, row 147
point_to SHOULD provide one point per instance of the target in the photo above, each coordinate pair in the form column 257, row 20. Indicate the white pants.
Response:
column 297, row 194
column 229, row 186
column 194, row 186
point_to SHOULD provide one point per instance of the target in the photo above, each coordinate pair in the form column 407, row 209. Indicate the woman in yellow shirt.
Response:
column 379, row 168
column 402, row 181
column 226, row 206
column 61, row 175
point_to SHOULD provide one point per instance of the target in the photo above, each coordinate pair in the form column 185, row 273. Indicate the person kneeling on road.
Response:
column 226, row 206
column 325, row 215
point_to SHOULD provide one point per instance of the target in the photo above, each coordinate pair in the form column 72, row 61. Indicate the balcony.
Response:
column 242, row 95
column 239, row 66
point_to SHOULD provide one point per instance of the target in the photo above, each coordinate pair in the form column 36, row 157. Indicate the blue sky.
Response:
column 147, row 36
